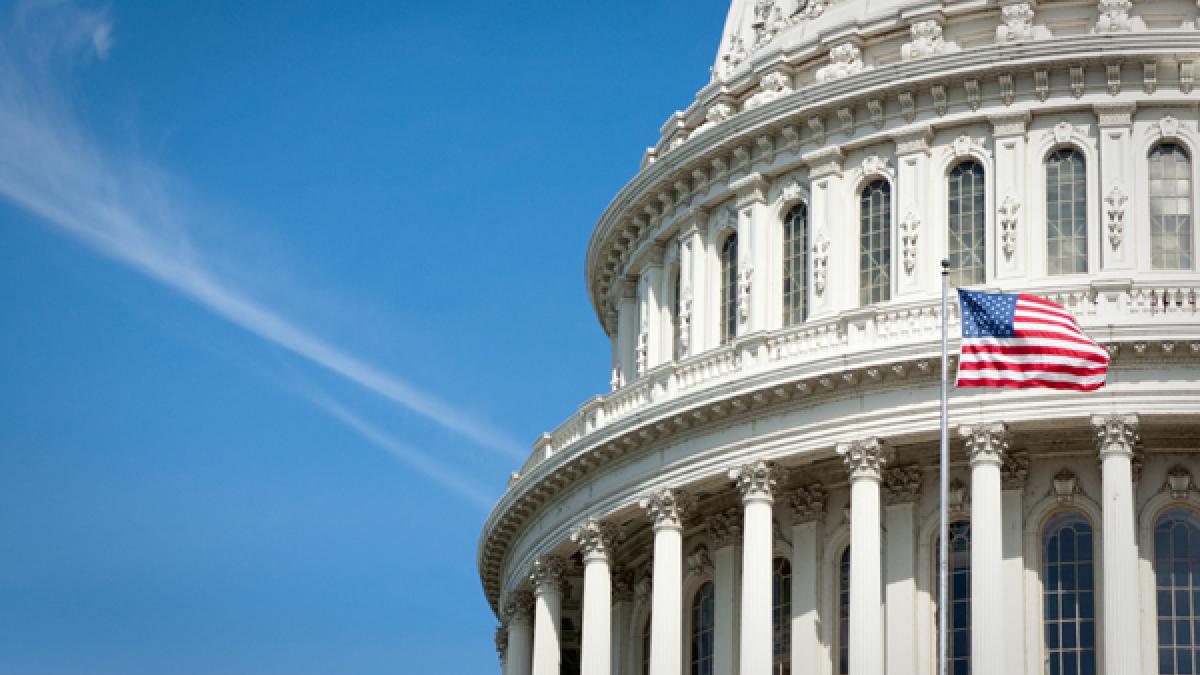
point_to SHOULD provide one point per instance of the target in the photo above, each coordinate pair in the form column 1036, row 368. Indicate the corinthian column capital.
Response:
column 547, row 574
column 756, row 480
column 1115, row 434
column 518, row 609
column 668, row 507
column 986, row 442
column 596, row 539
column 866, row 458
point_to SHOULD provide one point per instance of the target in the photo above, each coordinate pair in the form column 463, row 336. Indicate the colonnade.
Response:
column 880, row 636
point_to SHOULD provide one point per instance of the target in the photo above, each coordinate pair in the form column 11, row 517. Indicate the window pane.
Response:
column 795, row 265
column 1067, row 595
column 729, row 288
column 965, row 239
column 1066, row 213
column 959, row 590
column 781, row 617
column 875, row 253
column 702, row 630
column 1176, row 560
column 1170, row 190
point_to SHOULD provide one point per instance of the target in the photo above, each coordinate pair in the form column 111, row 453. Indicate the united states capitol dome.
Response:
column 757, row 492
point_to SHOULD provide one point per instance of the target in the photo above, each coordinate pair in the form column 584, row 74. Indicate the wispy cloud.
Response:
column 125, row 208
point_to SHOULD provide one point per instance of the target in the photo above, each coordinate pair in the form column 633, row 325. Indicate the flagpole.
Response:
column 943, row 498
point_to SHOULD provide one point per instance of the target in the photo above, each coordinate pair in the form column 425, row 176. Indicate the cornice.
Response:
column 738, row 146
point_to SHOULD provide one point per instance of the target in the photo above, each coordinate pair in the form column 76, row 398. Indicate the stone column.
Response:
column 667, row 508
column 1115, row 436
column 725, row 534
column 918, row 243
column 986, row 445
column 1013, row 474
column 1013, row 244
column 754, row 251
column 901, row 489
column 865, row 460
column 627, row 332
column 1117, row 237
column 622, row 617
column 828, row 292
column 547, row 580
column 596, row 539
column 808, row 506
column 757, row 481
column 518, row 617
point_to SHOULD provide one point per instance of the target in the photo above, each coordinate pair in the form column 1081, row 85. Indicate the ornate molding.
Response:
column 910, row 228
column 927, row 40
column 1065, row 486
column 668, row 507
column 866, row 458
column 1114, row 211
column 698, row 561
column 1016, row 23
column 958, row 497
column 1014, row 472
column 757, row 479
column 1115, row 434
column 1114, row 16
column 902, row 485
column 985, row 442
column 1007, row 218
column 725, row 528
column 1178, row 482
column 597, row 539
column 844, row 60
column 773, row 86
column 518, row 609
column 874, row 164
column 820, row 251
column 548, row 574
column 808, row 503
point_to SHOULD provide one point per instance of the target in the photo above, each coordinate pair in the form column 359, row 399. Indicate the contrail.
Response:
column 126, row 210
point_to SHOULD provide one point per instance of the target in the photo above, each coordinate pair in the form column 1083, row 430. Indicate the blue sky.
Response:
column 289, row 288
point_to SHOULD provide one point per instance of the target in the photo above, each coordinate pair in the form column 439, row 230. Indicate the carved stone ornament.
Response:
column 643, row 587
column 622, row 585
column 865, row 458
column 1065, row 486
column 1041, row 84
column 1009, row 206
column 902, row 485
column 1179, row 482
column 725, row 528
column 1078, row 86
column 958, row 500
column 596, row 539
column 820, row 252
column 745, row 281
column 685, row 323
column 757, row 479
column 773, row 86
column 1114, row 211
column 1008, row 92
column 844, row 60
column 874, row 164
column 1016, row 23
column 808, row 503
column 962, row 146
column 1014, row 472
column 716, row 114
column 1063, row 131
column 668, row 507
column 909, row 229
column 548, row 573
column 927, row 40
column 642, row 349
column 518, row 609
column 1168, row 127
column 794, row 191
column 501, row 641
column 1114, row 16
column 698, row 561
column 735, row 54
column 1115, row 434
column 985, row 442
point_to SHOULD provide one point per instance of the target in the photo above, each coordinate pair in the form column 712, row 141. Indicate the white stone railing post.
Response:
column 1115, row 437
column 667, row 507
column 865, row 461
column 757, row 482
column 986, row 445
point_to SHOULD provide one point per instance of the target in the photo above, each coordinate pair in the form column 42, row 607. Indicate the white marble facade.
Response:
column 757, row 493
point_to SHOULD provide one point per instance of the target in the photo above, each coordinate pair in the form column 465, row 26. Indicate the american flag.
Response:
column 1021, row 340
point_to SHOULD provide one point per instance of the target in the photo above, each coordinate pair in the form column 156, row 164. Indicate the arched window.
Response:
column 795, row 265
column 1069, row 595
column 729, row 288
column 702, row 630
column 646, row 646
column 966, row 240
column 959, row 589
column 1066, row 212
column 1177, row 580
column 843, row 615
column 875, row 242
column 1170, row 207
column 781, row 617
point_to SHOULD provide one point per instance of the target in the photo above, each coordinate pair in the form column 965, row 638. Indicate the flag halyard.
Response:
column 1019, row 340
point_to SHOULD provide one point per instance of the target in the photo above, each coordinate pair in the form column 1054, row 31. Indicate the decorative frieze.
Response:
column 596, row 538
column 808, row 503
column 985, row 442
column 1014, row 472
column 844, row 60
column 865, row 458
column 1115, row 434
column 757, row 479
column 668, row 507
column 902, row 485
column 725, row 528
